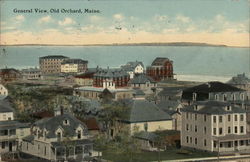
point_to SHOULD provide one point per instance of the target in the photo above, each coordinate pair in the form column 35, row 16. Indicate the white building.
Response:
column 61, row 137
column 11, row 131
column 133, row 68
column 214, row 126
column 31, row 74
column 3, row 91
column 74, row 66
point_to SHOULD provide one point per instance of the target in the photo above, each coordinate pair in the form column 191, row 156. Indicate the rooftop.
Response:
column 53, row 123
column 130, row 66
column 54, row 57
column 74, row 61
column 160, row 61
column 111, row 73
column 143, row 111
column 213, row 107
column 141, row 79
column 97, row 89
column 212, row 87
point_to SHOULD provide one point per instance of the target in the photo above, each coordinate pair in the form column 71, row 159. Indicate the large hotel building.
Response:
column 51, row 64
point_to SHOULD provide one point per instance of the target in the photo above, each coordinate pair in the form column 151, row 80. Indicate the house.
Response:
column 142, row 81
column 51, row 64
column 133, row 68
column 111, row 78
column 214, row 126
column 158, row 140
column 173, row 108
column 87, row 78
column 169, row 93
column 161, row 69
column 61, row 137
column 31, row 74
column 213, row 91
column 11, row 131
column 142, row 115
column 3, row 91
column 240, row 81
column 9, row 75
column 103, row 93
column 74, row 66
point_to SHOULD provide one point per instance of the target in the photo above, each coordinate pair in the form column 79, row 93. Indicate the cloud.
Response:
column 183, row 19
column 160, row 17
column 66, row 21
column 45, row 19
column 118, row 17
column 20, row 18
column 95, row 18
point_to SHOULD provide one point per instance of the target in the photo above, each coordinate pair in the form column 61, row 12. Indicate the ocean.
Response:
column 192, row 63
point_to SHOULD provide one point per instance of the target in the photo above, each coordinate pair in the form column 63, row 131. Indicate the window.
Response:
column 214, row 119
column 205, row 118
column 3, row 144
column 44, row 150
column 216, row 97
column 79, row 135
column 241, row 129
column 241, row 117
column 195, row 116
column 214, row 144
column 235, row 117
column 214, row 131
column 228, row 117
column 241, row 142
column 187, row 127
column 205, row 130
column 220, row 131
column 205, row 142
column 195, row 141
column 187, row 139
column 186, row 115
column 195, row 128
column 220, row 119
column 229, row 130
column 191, row 140
column 235, row 129
column 225, row 97
column 146, row 127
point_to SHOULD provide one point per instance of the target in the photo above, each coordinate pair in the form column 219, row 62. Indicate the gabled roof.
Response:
column 130, row 66
column 169, row 106
column 143, row 111
column 212, row 87
column 159, row 61
column 213, row 107
column 141, row 79
column 53, row 123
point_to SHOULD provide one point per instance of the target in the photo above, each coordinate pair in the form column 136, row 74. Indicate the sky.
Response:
column 142, row 21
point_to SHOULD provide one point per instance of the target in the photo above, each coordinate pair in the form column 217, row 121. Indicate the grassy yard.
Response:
column 153, row 156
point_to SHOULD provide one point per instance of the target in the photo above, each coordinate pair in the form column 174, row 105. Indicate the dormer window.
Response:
column 196, row 107
column 242, row 96
column 59, row 136
column 228, row 108
column 79, row 134
column 224, row 97
column 66, row 122
column 194, row 96
column 216, row 97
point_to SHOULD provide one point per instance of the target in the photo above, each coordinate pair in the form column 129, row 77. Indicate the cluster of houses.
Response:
column 212, row 116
